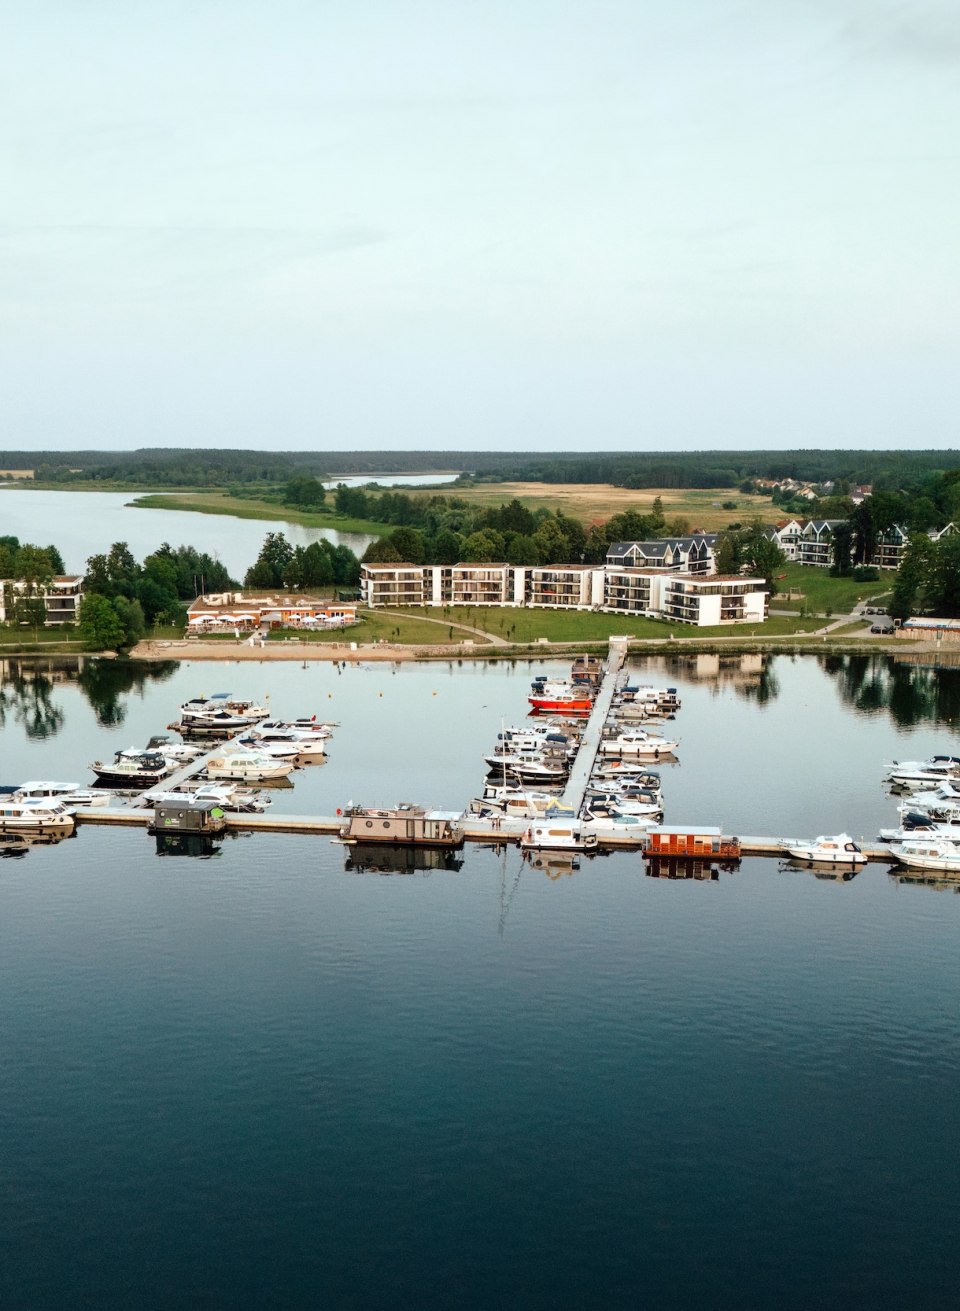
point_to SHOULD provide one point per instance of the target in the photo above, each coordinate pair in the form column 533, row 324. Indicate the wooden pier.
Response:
column 579, row 777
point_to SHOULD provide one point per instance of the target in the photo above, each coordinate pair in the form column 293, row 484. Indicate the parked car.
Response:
column 874, row 610
column 882, row 628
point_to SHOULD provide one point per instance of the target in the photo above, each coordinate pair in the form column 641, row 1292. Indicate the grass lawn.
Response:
column 523, row 626
column 414, row 630
column 18, row 635
column 823, row 592
column 222, row 503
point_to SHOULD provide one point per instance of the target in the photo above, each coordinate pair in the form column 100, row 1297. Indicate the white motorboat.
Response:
column 223, row 703
column 558, row 834
column 32, row 815
column 314, row 726
column 611, row 821
column 926, row 828
column 914, row 774
column 638, row 744
column 934, row 854
column 248, row 766
column 230, row 796
column 512, row 804
column 648, row 807
column 70, row 795
column 283, row 742
column 837, row 850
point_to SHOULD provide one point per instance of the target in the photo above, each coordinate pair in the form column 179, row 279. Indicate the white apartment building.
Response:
column 61, row 598
column 655, row 593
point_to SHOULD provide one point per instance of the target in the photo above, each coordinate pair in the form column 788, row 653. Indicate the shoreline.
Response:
column 384, row 651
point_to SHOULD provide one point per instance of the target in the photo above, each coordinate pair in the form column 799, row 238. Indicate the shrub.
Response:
column 866, row 573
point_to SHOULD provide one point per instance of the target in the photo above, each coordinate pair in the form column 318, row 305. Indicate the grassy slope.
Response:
column 414, row 630
column 821, row 592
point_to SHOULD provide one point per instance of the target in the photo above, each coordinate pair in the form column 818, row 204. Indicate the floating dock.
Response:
column 583, row 766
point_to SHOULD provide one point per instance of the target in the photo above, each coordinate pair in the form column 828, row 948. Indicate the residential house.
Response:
column 815, row 546
column 61, row 598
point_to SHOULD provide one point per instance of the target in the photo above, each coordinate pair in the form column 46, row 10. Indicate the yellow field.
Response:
column 596, row 502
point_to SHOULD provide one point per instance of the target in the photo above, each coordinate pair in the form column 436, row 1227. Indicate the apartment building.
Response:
column 655, row 593
column 891, row 545
column 722, row 599
column 693, row 554
column 815, row 546
column 61, row 598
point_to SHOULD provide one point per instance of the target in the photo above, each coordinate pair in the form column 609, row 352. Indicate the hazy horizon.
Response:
column 622, row 226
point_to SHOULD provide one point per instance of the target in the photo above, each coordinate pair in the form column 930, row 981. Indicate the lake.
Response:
column 268, row 1079
column 82, row 524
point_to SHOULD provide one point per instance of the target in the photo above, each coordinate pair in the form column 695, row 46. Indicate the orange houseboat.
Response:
column 698, row 843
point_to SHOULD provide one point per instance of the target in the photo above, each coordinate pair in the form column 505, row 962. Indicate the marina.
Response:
column 269, row 1004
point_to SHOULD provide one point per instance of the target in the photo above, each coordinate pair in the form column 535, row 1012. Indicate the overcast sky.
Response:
column 525, row 224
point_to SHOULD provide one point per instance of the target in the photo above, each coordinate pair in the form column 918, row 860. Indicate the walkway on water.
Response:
column 576, row 788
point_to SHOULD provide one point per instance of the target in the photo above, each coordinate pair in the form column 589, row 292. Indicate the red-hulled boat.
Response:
column 560, row 703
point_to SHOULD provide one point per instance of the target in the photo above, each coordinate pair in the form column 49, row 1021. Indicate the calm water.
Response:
column 263, row 1079
column 82, row 524
column 395, row 480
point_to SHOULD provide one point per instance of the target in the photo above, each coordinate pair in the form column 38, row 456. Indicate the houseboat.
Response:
column 404, row 823
column 559, row 834
column 700, row 843
column 186, row 816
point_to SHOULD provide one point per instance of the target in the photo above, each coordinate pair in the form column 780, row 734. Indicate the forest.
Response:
column 193, row 468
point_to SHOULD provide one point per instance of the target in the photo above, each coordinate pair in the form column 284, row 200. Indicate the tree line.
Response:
column 886, row 470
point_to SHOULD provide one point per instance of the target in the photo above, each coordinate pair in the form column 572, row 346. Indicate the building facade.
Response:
column 61, row 599
column 655, row 593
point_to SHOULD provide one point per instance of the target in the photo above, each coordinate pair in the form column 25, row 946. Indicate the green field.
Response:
column 822, row 592
column 407, row 628
column 223, row 503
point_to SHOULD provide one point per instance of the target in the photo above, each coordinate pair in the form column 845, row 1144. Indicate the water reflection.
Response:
column 819, row 870
column 910, row 693
column 674, row 867
column 377, row 858
column 27, row 689
column 14, row 845
column 26, row 698
column 197, row 845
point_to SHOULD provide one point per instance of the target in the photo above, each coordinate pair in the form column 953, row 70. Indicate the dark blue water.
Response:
column 262, row 1079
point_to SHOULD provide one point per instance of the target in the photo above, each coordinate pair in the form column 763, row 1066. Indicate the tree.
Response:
column 268, row 569
column 763, row 557
column 726, row 555
column 446, row 547
column 522, row 550
column 484, row 546
column 130, row 615
column 842, row 548
column 912, row 585
column 100, row 626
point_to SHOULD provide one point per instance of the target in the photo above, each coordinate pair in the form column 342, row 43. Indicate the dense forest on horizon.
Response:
column 183, row 467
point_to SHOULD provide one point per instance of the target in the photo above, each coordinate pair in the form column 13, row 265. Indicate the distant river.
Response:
column 82, row 524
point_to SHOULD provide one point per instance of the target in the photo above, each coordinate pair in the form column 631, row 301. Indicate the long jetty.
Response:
column 586, row 758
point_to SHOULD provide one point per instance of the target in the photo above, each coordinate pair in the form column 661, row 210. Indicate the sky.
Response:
column 517, row 225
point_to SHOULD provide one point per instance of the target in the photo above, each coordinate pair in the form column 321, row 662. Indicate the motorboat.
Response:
column 248, row 766
column 558, row 834
column 604, row 819
column 926, row 853
column 283, row 742
column 227, row 795
column 560, row 698
column 70, row 794
column 647, row 807
column 659, row 699
column 33, row 815
column 512, row 804
column 915, row 774
column 182, row 752
column 313, row 726
column 837, row 850
column 132, row 768
column 533, row 769
column 925, row 828
column 629, row 771
column 223, row 703
column 638, row 743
